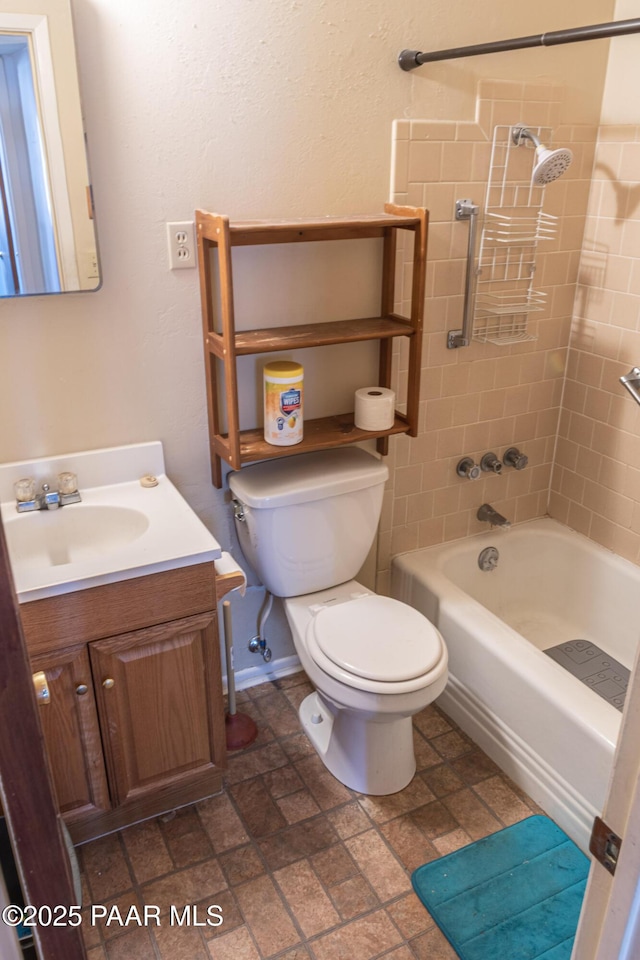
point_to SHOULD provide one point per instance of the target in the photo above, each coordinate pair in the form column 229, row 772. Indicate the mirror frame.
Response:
column 77, row 249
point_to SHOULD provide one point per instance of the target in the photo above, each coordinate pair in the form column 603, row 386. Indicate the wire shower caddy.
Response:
column 513, row 225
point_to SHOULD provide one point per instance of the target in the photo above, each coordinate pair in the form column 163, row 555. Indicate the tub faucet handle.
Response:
column 491, row 464
column 467, row 468
column 513, row 458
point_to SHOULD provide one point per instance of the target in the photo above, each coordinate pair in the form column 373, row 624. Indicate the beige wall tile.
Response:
column 432, row 130
column 449, row 442
column 431, row 532
column 457, row 158
column 491, row 397
column 400, row 165
column 404, row 538
column 408, row 480
column 439, row 198
column 419, row 507
column 456, row 525
column 629, row 162
column 425, row 161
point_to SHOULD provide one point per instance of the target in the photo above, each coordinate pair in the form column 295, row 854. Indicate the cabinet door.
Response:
column 159, row 699
column 72, row 737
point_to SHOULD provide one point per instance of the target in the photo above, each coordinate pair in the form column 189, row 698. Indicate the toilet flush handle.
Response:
column 238, row 511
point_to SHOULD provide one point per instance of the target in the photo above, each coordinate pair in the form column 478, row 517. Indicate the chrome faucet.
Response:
column 486, row 512
column 48, row 499
column 27, row 499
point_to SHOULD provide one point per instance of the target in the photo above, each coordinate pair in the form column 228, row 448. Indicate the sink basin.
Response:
column 125, row 526
column 73, row 534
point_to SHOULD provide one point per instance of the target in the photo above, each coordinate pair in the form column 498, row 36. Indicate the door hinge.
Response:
column 605, row 845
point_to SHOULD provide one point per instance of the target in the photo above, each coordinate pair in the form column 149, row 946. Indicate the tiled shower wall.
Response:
column 596, row 479
column 483, row 397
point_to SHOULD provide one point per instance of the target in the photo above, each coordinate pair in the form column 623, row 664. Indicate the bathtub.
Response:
column 549, row 732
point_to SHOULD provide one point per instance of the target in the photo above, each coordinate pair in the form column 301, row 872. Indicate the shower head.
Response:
column 550, row 164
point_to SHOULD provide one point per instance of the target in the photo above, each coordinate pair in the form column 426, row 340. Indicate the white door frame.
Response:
column 609, row 927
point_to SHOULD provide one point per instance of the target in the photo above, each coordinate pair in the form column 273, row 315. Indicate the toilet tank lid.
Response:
column 308, row 476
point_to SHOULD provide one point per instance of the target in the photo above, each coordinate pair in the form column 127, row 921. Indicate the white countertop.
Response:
column 74, row 551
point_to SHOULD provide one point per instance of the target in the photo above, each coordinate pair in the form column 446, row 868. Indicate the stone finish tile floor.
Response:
column 299, row 866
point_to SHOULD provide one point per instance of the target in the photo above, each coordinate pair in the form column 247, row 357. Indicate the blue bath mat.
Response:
column 515, row 894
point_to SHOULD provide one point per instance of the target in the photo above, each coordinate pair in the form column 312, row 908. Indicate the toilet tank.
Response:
column 306, row 523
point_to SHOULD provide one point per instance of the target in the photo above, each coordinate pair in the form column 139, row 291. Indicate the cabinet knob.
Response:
column 108, row 683
column 81, row 689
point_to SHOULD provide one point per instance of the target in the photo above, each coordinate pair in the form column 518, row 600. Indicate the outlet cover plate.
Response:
column 181, row 240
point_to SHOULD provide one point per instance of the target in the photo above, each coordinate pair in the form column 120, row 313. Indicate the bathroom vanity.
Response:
column 123, row 640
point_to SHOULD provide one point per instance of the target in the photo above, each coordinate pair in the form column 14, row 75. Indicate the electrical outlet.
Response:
column 182, row 245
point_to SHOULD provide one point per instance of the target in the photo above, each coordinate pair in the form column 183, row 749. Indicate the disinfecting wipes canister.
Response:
column 283, row 381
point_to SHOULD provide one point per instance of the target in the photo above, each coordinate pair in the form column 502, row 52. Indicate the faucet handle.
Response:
column 490, row 463
column 25, row 490
column 67, row 482
column 467, row 468
column 513, row 458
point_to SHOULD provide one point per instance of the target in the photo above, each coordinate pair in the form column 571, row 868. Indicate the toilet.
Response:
column 306, row 524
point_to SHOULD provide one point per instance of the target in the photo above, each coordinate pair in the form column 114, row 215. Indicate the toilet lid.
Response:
column 378, row 638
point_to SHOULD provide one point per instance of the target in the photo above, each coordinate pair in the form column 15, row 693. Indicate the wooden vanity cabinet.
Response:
column 152, row 688
column 134, row 726
column 72, row 734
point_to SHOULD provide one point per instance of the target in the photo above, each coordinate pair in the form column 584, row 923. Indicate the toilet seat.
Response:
column 375, row 643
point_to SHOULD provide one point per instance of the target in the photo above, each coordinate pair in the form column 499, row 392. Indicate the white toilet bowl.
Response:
column 306, row 523
column 375, row 662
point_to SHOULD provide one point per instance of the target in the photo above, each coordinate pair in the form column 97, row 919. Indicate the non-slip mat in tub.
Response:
column 515, row 895
column 593, row 667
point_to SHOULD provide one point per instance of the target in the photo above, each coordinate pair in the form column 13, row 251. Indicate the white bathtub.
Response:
column 548, row 731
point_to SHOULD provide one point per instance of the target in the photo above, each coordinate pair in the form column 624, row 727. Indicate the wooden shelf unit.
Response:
column 222, row 348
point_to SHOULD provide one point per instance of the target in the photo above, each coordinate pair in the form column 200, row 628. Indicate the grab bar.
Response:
column 410, row 59
column 631, row 381
column 466, row 210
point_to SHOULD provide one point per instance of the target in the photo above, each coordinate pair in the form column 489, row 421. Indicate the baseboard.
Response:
column 524, row 766
column 274, row 670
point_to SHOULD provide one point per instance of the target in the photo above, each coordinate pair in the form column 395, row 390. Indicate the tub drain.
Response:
column 488, row 559
column 593, row 667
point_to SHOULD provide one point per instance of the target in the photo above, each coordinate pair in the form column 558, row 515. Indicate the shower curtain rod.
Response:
column 410, row 59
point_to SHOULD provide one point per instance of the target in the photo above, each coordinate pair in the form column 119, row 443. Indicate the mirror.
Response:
column 48, row 241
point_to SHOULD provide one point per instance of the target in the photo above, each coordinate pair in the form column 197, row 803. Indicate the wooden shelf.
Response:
column 270, row 339
column 215, row 231
column 320, row 434
column 250, row 232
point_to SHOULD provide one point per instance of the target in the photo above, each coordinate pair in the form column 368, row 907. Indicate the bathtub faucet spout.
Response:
column 486, row 512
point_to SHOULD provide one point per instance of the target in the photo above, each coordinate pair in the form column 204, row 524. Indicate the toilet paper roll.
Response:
column 374, row 408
